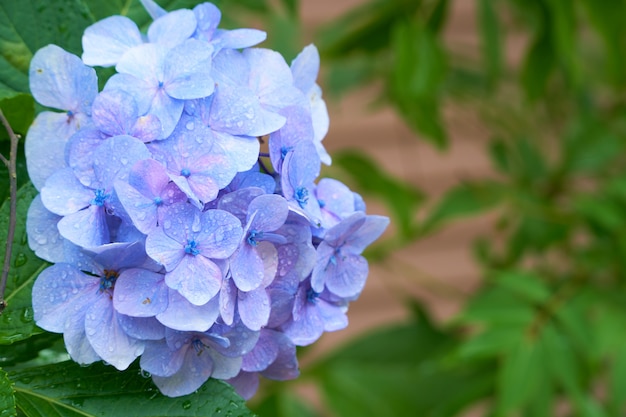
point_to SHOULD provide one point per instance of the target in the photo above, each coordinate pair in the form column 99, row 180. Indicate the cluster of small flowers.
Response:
column 175, row 235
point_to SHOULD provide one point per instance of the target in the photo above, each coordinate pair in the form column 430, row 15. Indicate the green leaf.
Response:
column 464, row 200
column 292, row 7
column 19, row 111
column 29, row 349
column 438, row 15
column 538, row 65
column 283, row 404
column 417, row 75
column 26, row 26
column 16, row 322
column 401, row 198
column 7, row 397
column 564, row 30
column 522, row 371
column 490, row 38
column 526, row 285
column 69, row 390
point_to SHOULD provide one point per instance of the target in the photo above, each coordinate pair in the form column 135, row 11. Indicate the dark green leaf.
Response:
column 349, row 74
column 7, row 397
column 26, row 26
column 16, row 322
column 490, row 38
column 464, row 200
column 27, row 350
column 366, row 28
column 523, row 284
column 437, row 19
column 564, row 30
column 402, row 199
column 69, row 390
column 292, row 7
column 284, row 36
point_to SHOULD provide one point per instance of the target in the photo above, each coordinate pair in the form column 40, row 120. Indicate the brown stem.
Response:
column 11, row 166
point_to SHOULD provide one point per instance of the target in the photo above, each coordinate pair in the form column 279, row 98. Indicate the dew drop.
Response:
column 20, row 260
column 190, row 126
column 186, row 405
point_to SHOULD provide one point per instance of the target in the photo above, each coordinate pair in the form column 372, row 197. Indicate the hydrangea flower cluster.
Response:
column 179, row 205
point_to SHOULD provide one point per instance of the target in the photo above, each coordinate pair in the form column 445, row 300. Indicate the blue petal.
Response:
column 142, row 328
column 114, row 112
column 372, row 228
column 154, row 10
column 115, row 157
column 60, row 80
column 106, row 41
column 264, row 353
column 80, row 150
column 246, row 267
column 219, row 235
column 194, row 371
column 163, row 249
column 159, row 359
column 107, row 337
column 238, row 38
column 208, row 17
column 270, row 212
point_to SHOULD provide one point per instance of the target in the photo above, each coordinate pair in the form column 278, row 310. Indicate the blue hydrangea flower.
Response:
column 186, row 246
column 340, row 268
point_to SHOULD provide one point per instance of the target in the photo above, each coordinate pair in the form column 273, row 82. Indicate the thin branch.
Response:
column 11, row 164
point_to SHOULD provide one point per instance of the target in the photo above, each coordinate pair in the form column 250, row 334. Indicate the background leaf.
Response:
column 7, row 398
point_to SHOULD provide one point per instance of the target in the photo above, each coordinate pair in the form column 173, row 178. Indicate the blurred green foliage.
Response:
column 544, row 333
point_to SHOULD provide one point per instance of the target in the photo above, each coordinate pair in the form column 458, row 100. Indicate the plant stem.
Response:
column 11, row 166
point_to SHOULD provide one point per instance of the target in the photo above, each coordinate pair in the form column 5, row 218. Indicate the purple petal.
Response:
column 237, row 202
column 142, row 328
column 80, row 150
column 140, row 293
column 159, row 359
column 115, row 157
column 245, row 384
column 184, row 316
column 228, row 299
column 194, row 371
column 60, row 80
column 106, row 41
column 196, row 278
column 219, row 235
column 264, row 353
column 372, row 228
column 114, row 112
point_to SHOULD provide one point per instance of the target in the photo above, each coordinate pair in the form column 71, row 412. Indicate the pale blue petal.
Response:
column 154, row 10
column 228, row 300
column 208, row 17
column 45, row 144
column 63, row 194
column 87, row 228
column 346, row 277
column 234, row 110
column 114, row 112
column 237, row 202
column 141, row 209
column 238, row 38
column 172, row 28
column 220, row 234
column 106, row 41
column 187, row 71
column 305, row 68
column 298, row 128
column 254, row 308
column 43, row 236
column 194, row 371
column 168, row 110
column 196, row 278
column 144, row 62
column 140, row 293
column 60, row 80
column 80, row 150
column 224, row 367
column 230, row 68
column 270, row 212
column 159, row 359
column 184, row 316
column 141, row 90
column 163, row 249
column 115, row 157
column 241, row 152
column 372, row 228
column 76, row 342
column 108, row 338
column 142, row 328
column 246, row 267
column 60, row 292
column 147, row 128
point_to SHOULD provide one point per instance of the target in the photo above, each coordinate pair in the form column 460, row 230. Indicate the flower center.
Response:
column 302, row 196
column 107, row 282
column 158, row 201
column 192, row 248
column 185, row 172
column 100, row 197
